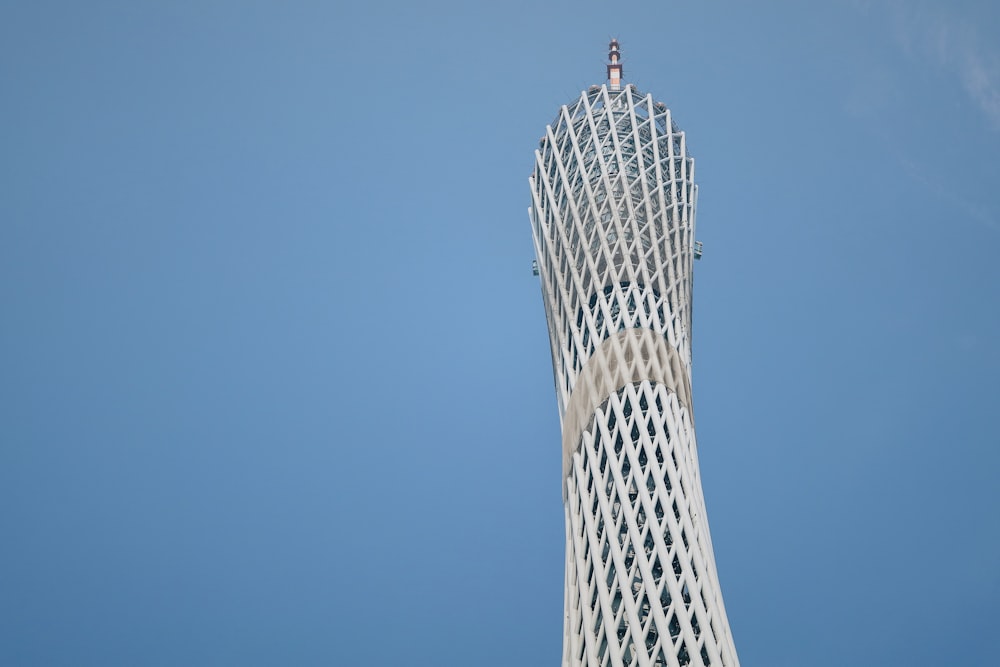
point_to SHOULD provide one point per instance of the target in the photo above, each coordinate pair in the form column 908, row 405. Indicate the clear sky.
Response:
column 275, row 385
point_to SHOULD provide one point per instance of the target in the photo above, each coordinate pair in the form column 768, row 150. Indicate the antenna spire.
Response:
column 614, row 66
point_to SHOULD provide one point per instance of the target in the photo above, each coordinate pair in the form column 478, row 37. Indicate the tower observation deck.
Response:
column 613, row 203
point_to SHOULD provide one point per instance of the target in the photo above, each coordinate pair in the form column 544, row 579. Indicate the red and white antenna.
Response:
column 614, row 66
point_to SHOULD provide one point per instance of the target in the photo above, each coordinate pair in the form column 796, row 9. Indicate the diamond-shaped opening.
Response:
column 657, row 570
column 611, row 168
column 590, row 230
column 648, row 544
column 704, row 656
column 636, row 586
column 622, row 629
column 643, row 609
column 665, row 598
column 629, row 556
column 674, row 627
column 618, row 189
column 682, row 655
column 629, row 653
column 602, row 646
column 695, row 626
column 684, row 537
column 651, row 637
column 677, row 567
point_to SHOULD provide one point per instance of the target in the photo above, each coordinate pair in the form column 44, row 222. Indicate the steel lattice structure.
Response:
column 612, row 214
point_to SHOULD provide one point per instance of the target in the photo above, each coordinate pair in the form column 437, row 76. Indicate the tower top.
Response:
column 614, row 66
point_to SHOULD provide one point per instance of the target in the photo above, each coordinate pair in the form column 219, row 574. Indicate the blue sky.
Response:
column 274, row 377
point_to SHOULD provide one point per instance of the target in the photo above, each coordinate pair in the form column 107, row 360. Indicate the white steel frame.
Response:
column 612, row 215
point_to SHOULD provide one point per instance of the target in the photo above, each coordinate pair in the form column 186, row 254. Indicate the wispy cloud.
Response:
column 982, row 82
column 933, row 37
column 932, row 183
column 954, row 44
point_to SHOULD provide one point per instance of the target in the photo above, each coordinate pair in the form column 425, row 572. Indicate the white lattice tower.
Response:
column 613, row 210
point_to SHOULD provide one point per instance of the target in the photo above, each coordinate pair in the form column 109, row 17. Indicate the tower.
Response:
column 612, row 212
